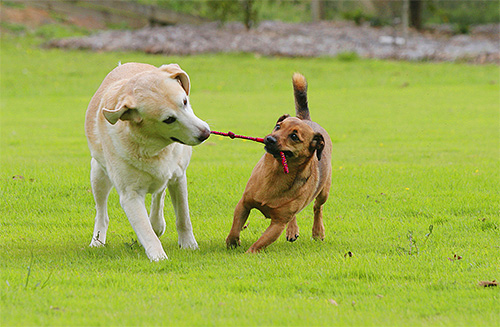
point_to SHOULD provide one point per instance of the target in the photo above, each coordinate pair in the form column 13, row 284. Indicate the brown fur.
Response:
column 299, row 82
column 281, row 196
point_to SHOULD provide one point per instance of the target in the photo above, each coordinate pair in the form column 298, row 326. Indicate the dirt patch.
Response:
column 29, row 16
column 272, row 38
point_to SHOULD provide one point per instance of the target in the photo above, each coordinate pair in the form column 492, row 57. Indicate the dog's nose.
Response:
column 205, row 134
column 270, row 140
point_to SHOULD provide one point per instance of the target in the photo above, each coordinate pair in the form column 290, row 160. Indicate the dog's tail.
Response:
column 300, row 93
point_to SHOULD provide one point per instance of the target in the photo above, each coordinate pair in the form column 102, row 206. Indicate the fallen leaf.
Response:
column 455, row 257
column 348, row 254
column 332, row 301
column 18, row 178
column 486, row 283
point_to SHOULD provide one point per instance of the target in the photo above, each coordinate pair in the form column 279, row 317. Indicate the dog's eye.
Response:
column 170, row 120
column 277, row 127
column 185, row 101
column 294, row 137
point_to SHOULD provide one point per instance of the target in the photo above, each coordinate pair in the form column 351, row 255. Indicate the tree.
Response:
column 249, row 13
column 317, row 10
column 416, row 7
column 242, row 9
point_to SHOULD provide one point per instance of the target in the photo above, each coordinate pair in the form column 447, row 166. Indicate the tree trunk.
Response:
column 317, row 10
column 416, row 7
column 248, row 18
column 404, row 18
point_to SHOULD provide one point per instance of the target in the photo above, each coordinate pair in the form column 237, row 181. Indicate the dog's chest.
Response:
column 156, row 172
column 288, row 196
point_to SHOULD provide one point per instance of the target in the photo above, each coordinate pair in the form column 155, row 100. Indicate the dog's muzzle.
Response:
column 205, row 134
column 270, row 140
column 271, row 146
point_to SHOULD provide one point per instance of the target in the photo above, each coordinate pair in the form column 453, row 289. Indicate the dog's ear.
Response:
column 318, row 144
column 178, row 74
column 282, row 118
column 124, row 110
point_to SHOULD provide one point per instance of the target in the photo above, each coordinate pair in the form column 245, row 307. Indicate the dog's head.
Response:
column 156, row 103
column 295, row 139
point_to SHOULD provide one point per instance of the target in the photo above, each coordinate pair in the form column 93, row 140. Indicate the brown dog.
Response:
column 279, row 196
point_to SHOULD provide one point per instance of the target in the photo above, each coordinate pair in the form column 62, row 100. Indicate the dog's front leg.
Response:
column 135, row 209
column 241, row 213
column 292, row 230
column 269, row 236
column 156, row 215
column 179, row 195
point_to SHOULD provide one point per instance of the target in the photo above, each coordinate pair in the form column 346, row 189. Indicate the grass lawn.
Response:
column 412, row 223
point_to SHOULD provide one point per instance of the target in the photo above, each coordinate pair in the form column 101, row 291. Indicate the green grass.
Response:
column 415, row 145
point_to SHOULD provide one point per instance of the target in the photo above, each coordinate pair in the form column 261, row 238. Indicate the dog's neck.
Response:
column 144, row 146
column 299, row 172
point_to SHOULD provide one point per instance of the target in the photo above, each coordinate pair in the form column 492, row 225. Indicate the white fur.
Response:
column 132, row 150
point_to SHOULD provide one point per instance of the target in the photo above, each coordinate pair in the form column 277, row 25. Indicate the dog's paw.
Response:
column 159, row 227
column 189, row 245
column 157, row 255
column 292, row 238
column 95, row 243
column 318, row 235
column 292, row 232
column 253, row 250
column 187, row 242
column 232, row 242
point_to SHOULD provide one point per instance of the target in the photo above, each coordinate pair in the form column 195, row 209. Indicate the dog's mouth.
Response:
column 276, row 153
column 177, row 140
column 288, row 154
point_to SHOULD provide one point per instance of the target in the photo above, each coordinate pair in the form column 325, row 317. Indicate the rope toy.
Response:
column 232, row 136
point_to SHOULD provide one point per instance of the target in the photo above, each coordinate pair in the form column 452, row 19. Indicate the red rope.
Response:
column 256, row 139
column 283, row 162
column 235, row 136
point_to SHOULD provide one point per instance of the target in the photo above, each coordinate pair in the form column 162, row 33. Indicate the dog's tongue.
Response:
column 283, row 162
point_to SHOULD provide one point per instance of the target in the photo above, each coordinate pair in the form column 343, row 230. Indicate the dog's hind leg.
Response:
column 241, row 213
column 101, row 186
column 292, row 230
column 179, row 195
column 318, row 229
column 156, row 215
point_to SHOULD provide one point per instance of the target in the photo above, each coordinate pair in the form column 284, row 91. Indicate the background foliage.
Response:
column 376, row 12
